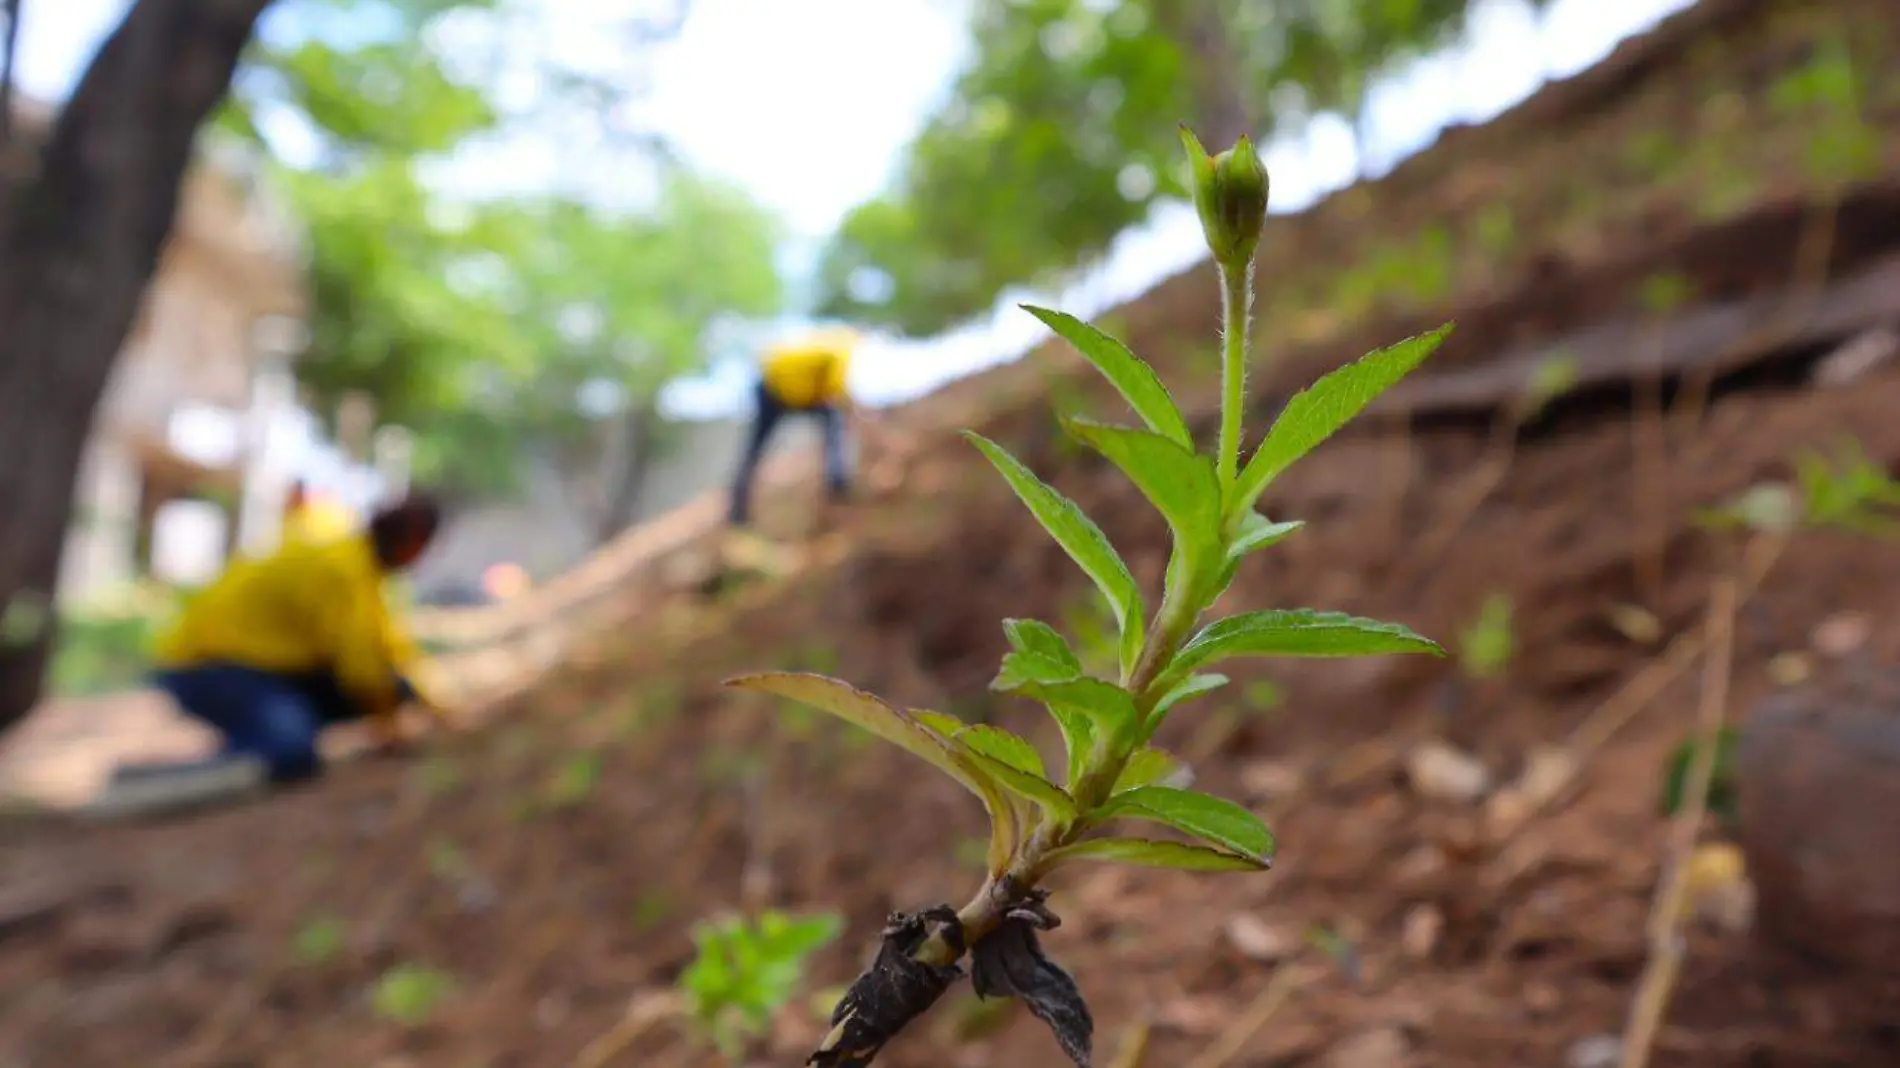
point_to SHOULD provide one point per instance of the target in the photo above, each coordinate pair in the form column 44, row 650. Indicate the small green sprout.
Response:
column 1722, row 796
column 1844, row 490
column 1848, row 491
column 575, row 782
column 1484, row 648
column 1045, row 818
column 746, row 970
column 319, row 941
column 408, row 994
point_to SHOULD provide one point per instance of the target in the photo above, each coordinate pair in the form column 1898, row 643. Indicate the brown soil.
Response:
column 177, row 944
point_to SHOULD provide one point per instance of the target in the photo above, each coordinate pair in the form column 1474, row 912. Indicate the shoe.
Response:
column 157, row 789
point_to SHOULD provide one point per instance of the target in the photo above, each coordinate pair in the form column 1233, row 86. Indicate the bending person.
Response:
column 802, row 378
column 281, row 646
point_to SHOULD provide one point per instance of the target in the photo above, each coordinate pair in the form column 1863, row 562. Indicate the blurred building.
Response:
column 201, row 385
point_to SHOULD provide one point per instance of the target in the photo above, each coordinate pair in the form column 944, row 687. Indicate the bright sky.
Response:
column 825, row 114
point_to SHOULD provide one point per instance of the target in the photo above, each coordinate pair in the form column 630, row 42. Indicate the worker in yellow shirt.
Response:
column 805, row 377
column 281, row 646
column 313, row 518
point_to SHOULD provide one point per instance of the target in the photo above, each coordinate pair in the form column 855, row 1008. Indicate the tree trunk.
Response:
column 9, row 54
column 78, row 243
column 1219, row 83
column 639, row 434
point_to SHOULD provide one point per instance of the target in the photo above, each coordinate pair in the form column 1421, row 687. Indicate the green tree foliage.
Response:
column 1056, row 138
column 479, row 324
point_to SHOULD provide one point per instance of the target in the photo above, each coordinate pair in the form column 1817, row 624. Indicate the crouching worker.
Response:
column 281, row 646
column 802, row 378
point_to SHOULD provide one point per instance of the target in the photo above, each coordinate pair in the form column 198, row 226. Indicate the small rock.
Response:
column 1258, row 940
column 1789, row 669
column 1420, row 864
column 1441, row 773
column 1195, row 1015
column 1817, row 775
column 1419, row 937
column 1636, row 623
column 1841, row 635
column 1548, row 769
column 1269, row 779
column 1718, row 888
column 1857, row 357
column 1541, row 999
column 1505, row 812
column 1596, row 1051
column 552, row 1011
column 1383, row 1048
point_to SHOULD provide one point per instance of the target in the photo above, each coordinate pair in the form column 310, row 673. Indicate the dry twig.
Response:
column 1286, row 980
column 1666, row 948
column 642, row 1015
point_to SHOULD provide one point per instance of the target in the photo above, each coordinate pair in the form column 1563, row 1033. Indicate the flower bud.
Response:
column 1230, row 192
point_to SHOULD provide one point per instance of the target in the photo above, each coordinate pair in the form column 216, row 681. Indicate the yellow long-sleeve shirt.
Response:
column 310, row 606
column 808, row 373
column 319, row 520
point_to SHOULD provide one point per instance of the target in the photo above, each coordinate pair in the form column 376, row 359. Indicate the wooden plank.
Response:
column 1716, row 339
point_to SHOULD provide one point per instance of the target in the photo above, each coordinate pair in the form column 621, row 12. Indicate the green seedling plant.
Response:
column 408, row 994
column 745, row 971
column 1044, row 819
column 319, row 940
column 1722, row 800
column 1485, row 646
column 1848, row 491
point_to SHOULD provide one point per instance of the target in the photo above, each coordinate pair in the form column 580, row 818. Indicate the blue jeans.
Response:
column 770, row 411
column 274, row 717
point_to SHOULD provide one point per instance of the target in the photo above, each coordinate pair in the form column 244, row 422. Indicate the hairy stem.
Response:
column 1236, row 315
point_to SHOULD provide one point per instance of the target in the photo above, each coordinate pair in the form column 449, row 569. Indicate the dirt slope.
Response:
column 551, row 865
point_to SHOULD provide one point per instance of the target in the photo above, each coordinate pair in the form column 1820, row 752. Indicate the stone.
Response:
column 1595, row 1051
column 1269, row 780
column 1385, row 1047
column 1258, row 940
column 1548, row 770
column 1817, row 774
column 1789, row 669
column 1419, row 935
column 1840, row 635
column 1719, row 892
column 1440, row 772
column 1858, row 357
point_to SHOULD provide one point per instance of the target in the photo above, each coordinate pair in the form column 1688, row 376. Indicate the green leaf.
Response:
column 999, row 744
column 1110, row 708
column 1149, row 853
column 1009, row 820
column 1215, row 820
column 947, row 726
column 1051, row 798
column 1316, row 413
column 1296, row 632
column 1181, row 484
column 1128, row 373
column 1145, row 768
column 903, row 729
column 1039, row 639
column 868, row 711
column 1014, row 763
column 1079, row 537
column 1189, row 688
column 1041, row 655
column 1258, row 532
column 1078, row 738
